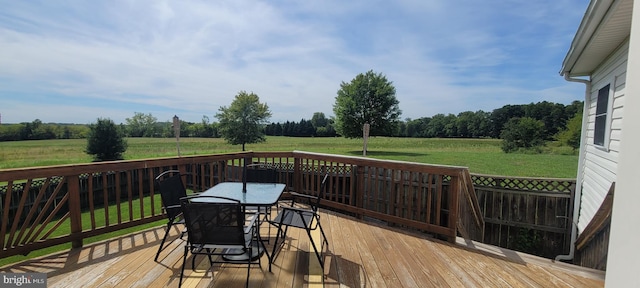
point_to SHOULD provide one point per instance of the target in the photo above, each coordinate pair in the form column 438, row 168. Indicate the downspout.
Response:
column 578, row 192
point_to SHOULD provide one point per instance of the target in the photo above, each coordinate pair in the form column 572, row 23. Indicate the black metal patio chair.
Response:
column 171, row 190
column 306, row 218
column 259, row 173
column 217, row 226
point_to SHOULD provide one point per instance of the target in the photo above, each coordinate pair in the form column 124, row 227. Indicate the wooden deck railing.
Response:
column 47, row 206
column 593, row 243
column 527, row 214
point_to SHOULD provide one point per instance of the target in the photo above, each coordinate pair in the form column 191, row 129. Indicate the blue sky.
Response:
column 76, row 61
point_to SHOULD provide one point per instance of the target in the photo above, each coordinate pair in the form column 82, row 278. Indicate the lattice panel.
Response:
column 339, row 170
column 529, row 184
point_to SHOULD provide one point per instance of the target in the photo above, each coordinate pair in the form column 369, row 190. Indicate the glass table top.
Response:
column 257, row 194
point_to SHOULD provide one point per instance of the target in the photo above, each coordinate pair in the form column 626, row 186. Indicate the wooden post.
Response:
column 75, row 215
column 297, row 174
column 365, row 137
column 358, row 187
column 454, row 206
column 176, row 131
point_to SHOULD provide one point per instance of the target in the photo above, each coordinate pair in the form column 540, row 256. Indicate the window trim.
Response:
column 607, row 117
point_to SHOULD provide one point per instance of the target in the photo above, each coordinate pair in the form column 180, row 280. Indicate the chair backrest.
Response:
column 171, row 190
column 213, row 220
column 323, row 187
column 258, row 174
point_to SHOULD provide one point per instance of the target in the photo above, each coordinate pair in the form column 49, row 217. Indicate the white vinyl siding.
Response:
column 601, row 158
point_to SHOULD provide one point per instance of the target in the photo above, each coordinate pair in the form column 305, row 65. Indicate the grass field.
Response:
column 65, row 228
column 480, row 155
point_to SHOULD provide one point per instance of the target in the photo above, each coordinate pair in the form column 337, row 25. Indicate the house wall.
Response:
column 601, row 163
column 623, row 259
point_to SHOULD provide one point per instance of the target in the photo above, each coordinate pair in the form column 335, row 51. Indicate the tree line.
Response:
column 481, row 124
column 468, row 124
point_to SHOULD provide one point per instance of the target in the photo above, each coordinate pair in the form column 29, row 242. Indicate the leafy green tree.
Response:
column 463, row 123
column 450, row 128
column 202, row 129
column 319, row 120
column 37, row 130
column 368, row 98
column 522, row 132
column 479, row 125
column 11, row 132
column 499, row 117
column 574, row 108
column 142, row 125
column 418, row 127
column 435, row 126
column 571, row 135
column 551, row 114
column 472, row 124
column 105, row 141
column 242, row 122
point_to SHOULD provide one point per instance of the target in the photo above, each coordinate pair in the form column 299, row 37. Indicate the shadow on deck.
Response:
column 361, row 254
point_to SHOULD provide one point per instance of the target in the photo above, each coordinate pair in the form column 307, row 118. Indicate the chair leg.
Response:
column 324, row 236
column 264, row 248
column 322, row 241
column 184, row 262
column 209, row 255
column 268, row 218
column 166, row 233
column 315, row 249
column 276, row 244
column 246, row 285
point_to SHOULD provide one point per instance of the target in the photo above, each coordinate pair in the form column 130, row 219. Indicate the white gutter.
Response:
column 592, row 18
column 578, row 192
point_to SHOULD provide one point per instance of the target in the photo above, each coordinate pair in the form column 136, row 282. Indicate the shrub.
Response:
column 571, row 135
column 105, row 141
column 519, row 133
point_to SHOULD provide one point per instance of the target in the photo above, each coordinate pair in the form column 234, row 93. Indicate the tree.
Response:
column 319, row 120
column 202, row 129
column 435, row 127
column 242, row 121
column 105, row 141
column 522, row 132
column 571, row 135
column 142, row 125
column 368, row 98
column 500, row 116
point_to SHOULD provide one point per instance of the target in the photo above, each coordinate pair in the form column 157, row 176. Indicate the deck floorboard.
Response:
column 361, row 254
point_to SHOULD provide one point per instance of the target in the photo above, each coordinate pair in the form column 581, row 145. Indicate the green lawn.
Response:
column 65, row 229
column 480, row 155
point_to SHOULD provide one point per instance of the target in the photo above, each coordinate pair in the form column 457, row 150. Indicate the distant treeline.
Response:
column 490, row 124
column 37, row 130
column 467, row 124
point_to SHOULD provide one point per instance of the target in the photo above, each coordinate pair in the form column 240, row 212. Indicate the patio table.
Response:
column 256, row 195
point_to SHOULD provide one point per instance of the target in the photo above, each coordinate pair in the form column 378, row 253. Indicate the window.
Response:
column 602, row 107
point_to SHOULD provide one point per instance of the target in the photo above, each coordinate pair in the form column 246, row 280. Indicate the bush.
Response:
column 105, row 141
column 571, row 135
column 522, row 133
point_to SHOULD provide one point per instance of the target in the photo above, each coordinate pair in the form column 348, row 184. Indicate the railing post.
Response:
column 73, row 184
column 358, row 188
column 297, row 174
column 454, row 205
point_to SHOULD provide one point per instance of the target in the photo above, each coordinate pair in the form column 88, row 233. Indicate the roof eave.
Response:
column 592, row 18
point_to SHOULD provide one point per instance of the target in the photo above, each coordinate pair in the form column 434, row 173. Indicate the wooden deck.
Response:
column 361, row 254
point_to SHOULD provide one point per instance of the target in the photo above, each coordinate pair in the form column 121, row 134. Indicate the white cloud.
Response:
column 191, row 57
